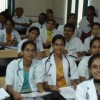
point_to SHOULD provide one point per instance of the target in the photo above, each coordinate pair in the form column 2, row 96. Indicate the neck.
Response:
column 8, row 31
column 26, row 63
column 96, row 81
column 58, row 56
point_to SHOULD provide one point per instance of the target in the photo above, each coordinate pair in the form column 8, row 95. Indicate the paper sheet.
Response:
column 67, row 92
column 35, row 94
column 3, row 94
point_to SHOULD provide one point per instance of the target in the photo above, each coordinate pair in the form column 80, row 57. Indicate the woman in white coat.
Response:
column 9, row 36
column 60, row 70
column 25, row 74
column 48, row 33
column 90, row 90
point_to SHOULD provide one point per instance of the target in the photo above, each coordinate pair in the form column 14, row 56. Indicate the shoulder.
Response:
column 84, row 84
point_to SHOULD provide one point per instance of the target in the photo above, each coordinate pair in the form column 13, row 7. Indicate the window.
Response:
column 78, row 7
column 3, row 5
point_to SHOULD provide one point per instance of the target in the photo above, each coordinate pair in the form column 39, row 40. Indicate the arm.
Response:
column 40, row 87
column 16, row 95
column 50, row 87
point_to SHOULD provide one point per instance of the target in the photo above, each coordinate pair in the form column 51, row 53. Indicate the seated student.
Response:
column 41, row 24
column 72, row 19
column 33, row 34
column 60, row 70
column 48, row 33
column 21, row 22
column 74, row 45
column 9, row 36
column 95, row 32
column 90, row 89
column 87, row 21
column 82, row 67
column 25, row 74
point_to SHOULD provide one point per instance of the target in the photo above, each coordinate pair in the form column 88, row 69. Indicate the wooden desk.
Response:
column 8, row 53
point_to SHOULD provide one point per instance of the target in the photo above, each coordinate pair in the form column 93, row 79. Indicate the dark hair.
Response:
column 26, row 43
column 19, row 8
column 58, row 36
column 69, row 25
column 93, row 9
column 92, row 58
column 51, row 20
column 49, row 10
column 72, row 14
column 43, row 14
column 34, row 28
column 10, row 21
column 93, row 40
column 96, row 23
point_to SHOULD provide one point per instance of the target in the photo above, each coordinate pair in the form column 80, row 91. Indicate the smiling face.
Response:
column 58, row 46
column 33, row 35
column 95, row 48
column 50, row 25
column 95, row 69
column 96, row 30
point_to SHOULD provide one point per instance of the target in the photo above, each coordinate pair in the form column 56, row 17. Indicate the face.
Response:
column 50, row 25
column 90, row 12
column 58, row 46
column 9, row 26
column 95, row 69
column 33, row 35
column 49, row 15
column 41, row 19
column 95, row 48
column 19, row 12
column 68, row 33
column 96, row 30
column 29, row 52
column 72, row 19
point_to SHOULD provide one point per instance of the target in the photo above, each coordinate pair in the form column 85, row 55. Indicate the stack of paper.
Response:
column 35, row 94
column 67, row 92
column 3, row 94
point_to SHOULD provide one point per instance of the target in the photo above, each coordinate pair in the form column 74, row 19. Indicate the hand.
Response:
column 17, row 96
column 52, row 87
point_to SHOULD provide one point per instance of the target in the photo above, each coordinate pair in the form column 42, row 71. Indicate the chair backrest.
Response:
column 8, row 53
column 47, row 52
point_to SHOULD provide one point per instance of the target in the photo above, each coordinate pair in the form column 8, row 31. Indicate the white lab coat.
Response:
column 87, row 41
column 86, row 91
column 14, row 34
column 83, row 67
column 14, row 74
column 84, row 24
column 38, row 43
column 50, row 72
column 43, row 34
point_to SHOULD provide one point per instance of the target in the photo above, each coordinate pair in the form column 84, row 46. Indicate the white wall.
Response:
column 33, row 7
column 96, row 4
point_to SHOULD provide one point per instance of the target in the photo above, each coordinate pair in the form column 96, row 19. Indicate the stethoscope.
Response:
column 48, row 61
column 19, row 69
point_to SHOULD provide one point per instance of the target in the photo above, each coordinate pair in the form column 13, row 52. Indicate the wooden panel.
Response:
column 2, row 82
column 8, row 53
column 47, row 52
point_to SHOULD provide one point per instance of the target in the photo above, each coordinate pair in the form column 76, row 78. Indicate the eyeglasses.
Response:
column 28, row 50
column 95, row 67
